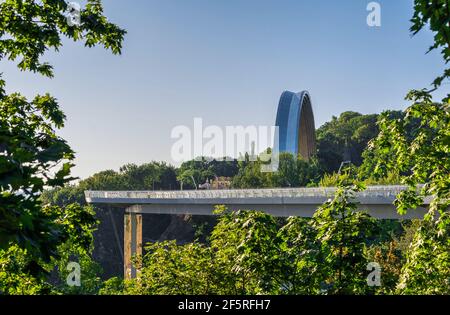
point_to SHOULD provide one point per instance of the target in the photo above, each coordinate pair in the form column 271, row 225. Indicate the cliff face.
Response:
column 108, row 239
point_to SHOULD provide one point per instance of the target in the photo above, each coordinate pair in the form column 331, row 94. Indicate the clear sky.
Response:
column 226, row 61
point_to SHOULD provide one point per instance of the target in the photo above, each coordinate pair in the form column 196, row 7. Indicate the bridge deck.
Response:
column 302, row 202
column 378, row 200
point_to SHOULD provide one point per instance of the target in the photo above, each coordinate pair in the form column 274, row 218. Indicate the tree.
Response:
column 291, row 172
column 370, row 170
column 242, row 257
column 149, row 176
column 436, row 15
column 169, row 268
column 301, row 257
column 79, row 223
column 247, row 248
column 20, row 273
column 202, row 169
column 250, row 175
column 286, row 174
column 15, row 278
column 426, row 159
column 344, row 138
column 32, row 156
column 344, row 234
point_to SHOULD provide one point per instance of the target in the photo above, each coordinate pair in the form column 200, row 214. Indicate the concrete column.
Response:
column 132, row 243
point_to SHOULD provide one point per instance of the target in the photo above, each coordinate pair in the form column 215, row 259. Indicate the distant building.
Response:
column 221, row 183
column 218, row 183
column 295, row 119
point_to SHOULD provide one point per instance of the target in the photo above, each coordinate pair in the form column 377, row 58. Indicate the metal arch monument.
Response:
column 295, row 120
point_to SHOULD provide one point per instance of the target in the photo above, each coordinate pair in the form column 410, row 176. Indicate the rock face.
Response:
column 108, row 239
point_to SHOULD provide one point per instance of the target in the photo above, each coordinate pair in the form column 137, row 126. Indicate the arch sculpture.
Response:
column 295, row 120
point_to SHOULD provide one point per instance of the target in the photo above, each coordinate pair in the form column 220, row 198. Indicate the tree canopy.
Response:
column 33, row 157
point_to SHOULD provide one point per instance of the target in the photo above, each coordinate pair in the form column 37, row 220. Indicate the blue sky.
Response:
column 226, row 61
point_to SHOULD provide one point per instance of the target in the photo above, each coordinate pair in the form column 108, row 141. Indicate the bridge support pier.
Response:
column 132, row 243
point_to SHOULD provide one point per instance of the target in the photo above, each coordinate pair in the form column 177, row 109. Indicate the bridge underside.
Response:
column 380, row 211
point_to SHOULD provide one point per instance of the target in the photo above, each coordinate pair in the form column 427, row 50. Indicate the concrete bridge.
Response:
column 282, row 202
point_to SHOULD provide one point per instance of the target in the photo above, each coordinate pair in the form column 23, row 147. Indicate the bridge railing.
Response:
column 371, row 191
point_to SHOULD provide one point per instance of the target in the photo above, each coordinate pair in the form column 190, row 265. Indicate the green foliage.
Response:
column 373, row 173
column 294, row 172
column 434, row 14
column 250, row 175
column 157, row 175
column 177, row 269
column 80, row 223
column 203, row 169
column 239, row 259
column 247, row 247
column 389, row 256
column 29, row 28
column 425, row 157
column 15, row 275
column 427, row 266
column 291, row 172
column 62, row 196
column 113, row 286
column 301, row 260
column 344, row 139
column 251, row 252
column 329, row 180
column 32, row 156
column 20, row 273
column 90, row 271
column 344, row 234
column 388, row 178
column 149, row 176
